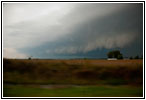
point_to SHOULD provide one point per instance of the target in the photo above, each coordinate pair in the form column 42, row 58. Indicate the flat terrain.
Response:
column 77, row 78
column 71, row 91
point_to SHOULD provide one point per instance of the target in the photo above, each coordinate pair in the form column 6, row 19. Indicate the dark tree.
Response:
column 120, row 56
column 110, row 55
column 141, row 56
column 131, row 57
column 137, row 57
column 115, row 54
column 29, row 58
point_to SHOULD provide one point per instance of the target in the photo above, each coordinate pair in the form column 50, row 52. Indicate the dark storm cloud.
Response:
column 118, row 29
column 71, row 28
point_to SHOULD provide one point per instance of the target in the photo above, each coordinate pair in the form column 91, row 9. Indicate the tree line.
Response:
column 117, row 54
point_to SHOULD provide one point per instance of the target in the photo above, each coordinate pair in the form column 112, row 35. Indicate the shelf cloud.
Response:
column 70, row 28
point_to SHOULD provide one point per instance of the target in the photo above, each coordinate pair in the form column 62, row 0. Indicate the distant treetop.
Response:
column 115, row 54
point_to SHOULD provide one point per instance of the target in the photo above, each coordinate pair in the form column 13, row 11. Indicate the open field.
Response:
column 92, row 77
column 71, row 91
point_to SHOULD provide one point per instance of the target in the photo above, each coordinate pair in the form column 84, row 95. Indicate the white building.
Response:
column 112, row 59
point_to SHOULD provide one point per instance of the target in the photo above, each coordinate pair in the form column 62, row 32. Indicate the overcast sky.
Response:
column 62, row 30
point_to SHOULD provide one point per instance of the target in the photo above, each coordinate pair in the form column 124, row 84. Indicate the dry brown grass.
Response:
column 73, row 71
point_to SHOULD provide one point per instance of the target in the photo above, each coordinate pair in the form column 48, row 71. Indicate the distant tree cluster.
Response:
column 115, row 54
column 136, row 57
column 118, row 55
